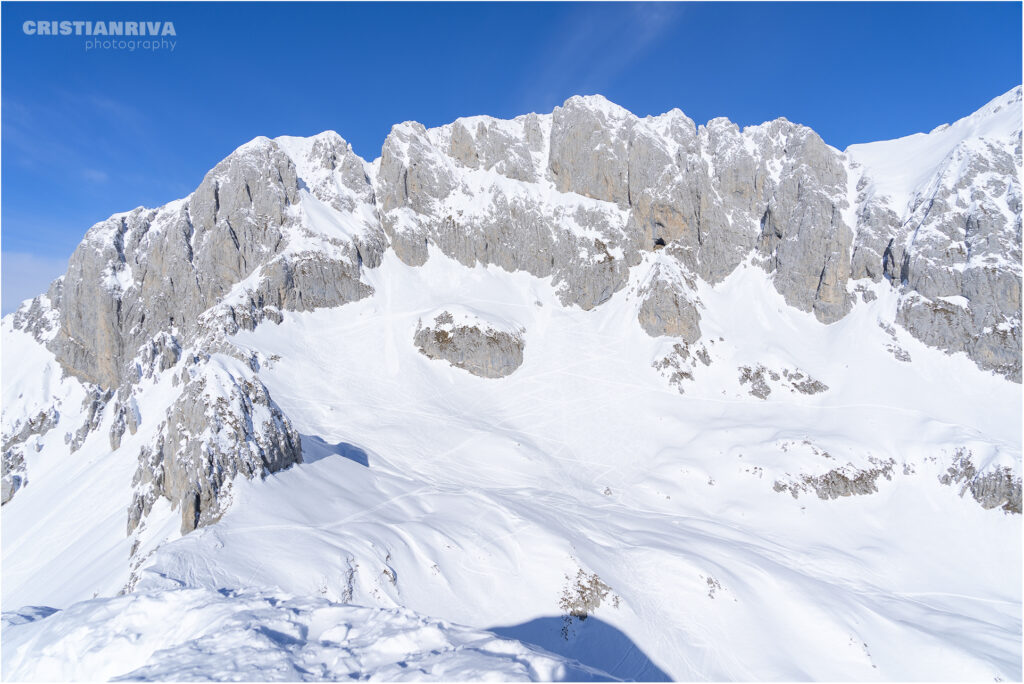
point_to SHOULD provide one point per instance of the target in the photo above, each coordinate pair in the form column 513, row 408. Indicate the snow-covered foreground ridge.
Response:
column 628, row 398
column 200, row 634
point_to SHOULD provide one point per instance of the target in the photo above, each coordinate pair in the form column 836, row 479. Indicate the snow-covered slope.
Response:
column 200, row 634
column 262, row 421
column 902, row 168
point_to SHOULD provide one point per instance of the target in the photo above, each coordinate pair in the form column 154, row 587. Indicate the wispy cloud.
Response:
column 95, row 175
column 596, row 46
column 100, row 123
column 24, row 275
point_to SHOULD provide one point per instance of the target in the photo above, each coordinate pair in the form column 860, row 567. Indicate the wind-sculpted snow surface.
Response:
column 706, row 368
column 197, row 635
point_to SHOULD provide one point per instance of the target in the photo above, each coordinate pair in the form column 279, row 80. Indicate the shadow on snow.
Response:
column 314, row 448
column 592, row 643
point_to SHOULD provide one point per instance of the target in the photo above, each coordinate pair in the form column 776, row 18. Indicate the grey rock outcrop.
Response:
column 220, row 426
column 14, row 475
column 995, row 487
column 39, row 424
column 471, row 344
column 804, row 241
column 679, row 364
column 589, row 149
column 803, row 383
column 845, row 481
column 93, row 406
column 763, row 380
column 757, row 377
column 666, row 306
column 716, row 194
column 961, row 268
column 126, row 417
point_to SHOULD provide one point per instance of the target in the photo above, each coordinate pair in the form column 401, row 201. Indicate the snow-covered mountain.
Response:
column 572, row 396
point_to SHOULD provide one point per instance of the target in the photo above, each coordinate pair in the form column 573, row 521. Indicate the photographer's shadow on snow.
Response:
column 314, row 449
column 593, row 643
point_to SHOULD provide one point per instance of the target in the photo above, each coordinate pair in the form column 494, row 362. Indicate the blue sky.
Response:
column 89, row 133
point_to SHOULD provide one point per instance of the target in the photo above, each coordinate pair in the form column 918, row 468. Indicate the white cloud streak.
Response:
column 596, row 46
column 95, row 175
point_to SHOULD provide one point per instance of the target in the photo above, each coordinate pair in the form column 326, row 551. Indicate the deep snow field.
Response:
column 440, row 518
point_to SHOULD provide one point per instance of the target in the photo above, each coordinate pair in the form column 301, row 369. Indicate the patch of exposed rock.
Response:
column 591, row 186
column 803, row 383
column 14, row 475
column 126, row 417
column 258, row 236
column 995, row 488
column 581, row 596
column 894, row 348
column 757, row 379
column 93, row 406
column 482, row 348
column 678, row 365
column 843, row 481
column 667, row 305
column 761, row 379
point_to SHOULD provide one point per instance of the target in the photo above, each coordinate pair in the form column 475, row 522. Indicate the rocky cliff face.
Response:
column 278, row 225
column 582, row 196
column 590, row 187
column 242, row 243
column 946, row 232
column 579, row 194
